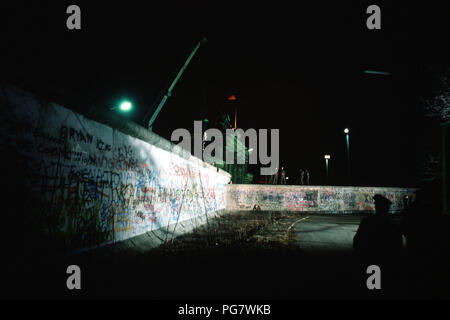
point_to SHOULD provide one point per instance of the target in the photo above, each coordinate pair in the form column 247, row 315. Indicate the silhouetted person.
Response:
column 283, row 176
column 378, row 241
column 378, row 236
column 307, row 176
column 302, row 177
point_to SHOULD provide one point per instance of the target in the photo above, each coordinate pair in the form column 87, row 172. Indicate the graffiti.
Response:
column 180, row 171
column 72, row 134
column 93, row 185
column 102, row 146
column 320, row 199
column 300, row 201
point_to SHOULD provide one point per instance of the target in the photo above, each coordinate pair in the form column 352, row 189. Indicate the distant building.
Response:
column 239, row 172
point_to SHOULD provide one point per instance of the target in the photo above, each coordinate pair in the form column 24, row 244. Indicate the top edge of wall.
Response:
column 128, row 127
column 315, row 186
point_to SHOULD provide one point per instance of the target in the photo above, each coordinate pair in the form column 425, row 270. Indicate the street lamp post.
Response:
column 347, row 133
column 444, row 169
column 327, row 157
column 233, row 98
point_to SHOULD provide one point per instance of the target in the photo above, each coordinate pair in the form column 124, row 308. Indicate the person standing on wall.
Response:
column 283, row 176
column 274, row 178
column 307, row 177
column 302, row 177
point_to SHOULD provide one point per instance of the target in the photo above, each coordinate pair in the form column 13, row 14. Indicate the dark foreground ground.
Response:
column 242, row 256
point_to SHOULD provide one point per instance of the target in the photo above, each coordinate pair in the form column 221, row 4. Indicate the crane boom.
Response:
column 174, row 82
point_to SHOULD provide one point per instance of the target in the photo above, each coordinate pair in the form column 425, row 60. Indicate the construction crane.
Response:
column 174, row 82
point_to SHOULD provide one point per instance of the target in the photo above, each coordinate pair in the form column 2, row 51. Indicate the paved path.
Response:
column 317, row 233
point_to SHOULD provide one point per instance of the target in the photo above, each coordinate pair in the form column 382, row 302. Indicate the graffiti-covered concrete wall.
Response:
column 89, row 184
column 324, row 199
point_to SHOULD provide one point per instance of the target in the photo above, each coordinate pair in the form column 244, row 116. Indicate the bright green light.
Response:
column 126, row 106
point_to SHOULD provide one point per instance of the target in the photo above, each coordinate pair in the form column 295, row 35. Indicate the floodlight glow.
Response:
column 125, row 106
column 327, row 156
column 346, row 130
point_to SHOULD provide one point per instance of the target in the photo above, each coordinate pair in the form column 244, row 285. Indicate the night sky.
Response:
column 297, row 67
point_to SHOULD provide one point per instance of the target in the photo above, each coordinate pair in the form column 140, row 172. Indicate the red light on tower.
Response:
column 232, row 98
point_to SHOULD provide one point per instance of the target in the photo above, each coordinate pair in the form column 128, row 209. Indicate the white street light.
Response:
column 327, row 157
column 347, row 131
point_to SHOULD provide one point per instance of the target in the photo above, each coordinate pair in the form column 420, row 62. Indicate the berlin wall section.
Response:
column 321, row 199
column 85, row 184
